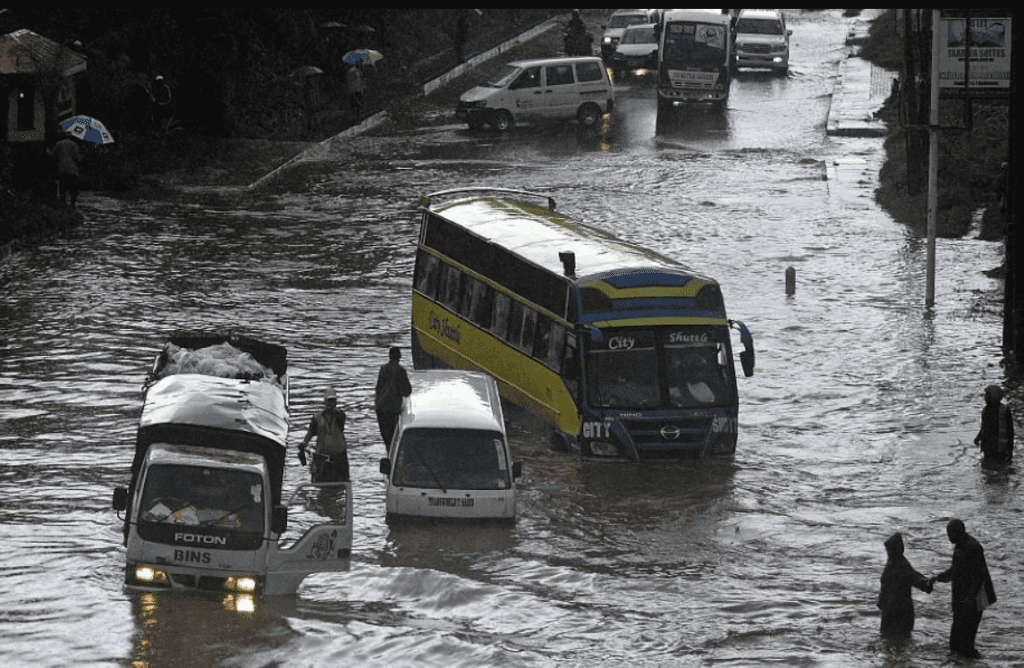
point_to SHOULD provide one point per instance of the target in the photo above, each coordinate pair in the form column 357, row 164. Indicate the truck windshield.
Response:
column 452, row 459
column 697, row 45
column 670, row 368
column 197, row 496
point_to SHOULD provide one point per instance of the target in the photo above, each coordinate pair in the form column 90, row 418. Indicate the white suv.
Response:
column 762, row 39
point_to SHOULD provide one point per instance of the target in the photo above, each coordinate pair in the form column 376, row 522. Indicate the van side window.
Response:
column 589, row 72
column 425, row 280
column 530, row 78
column 559, row 75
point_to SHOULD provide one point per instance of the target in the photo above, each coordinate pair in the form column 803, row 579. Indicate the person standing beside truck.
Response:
column 330, row 457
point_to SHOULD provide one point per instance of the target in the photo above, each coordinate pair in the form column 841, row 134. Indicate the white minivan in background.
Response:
column 544, row 89
column 449, row 457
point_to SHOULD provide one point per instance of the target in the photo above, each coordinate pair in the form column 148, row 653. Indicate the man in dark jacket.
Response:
column 894, row 599
column 996, row 434
column 392, row 386
column 972, row 588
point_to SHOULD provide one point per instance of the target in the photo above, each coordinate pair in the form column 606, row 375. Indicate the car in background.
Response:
column 617, row 23
column 762, row 39
column 637, row 50
column 541, row 89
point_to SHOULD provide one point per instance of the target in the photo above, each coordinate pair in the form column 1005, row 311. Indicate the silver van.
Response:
column 449, row 457
column 545, row 89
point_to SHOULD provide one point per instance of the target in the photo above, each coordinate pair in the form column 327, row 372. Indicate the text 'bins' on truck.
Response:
column 203, row 510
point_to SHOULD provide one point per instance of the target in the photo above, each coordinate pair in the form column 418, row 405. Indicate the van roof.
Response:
column 549, row 61
column 449, row 398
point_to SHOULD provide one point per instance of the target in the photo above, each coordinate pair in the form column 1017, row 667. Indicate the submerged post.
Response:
column 790, row 280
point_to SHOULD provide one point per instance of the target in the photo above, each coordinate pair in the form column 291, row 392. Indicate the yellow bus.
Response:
column 625, row 354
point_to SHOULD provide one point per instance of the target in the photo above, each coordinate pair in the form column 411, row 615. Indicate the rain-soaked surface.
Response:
column 858, row 422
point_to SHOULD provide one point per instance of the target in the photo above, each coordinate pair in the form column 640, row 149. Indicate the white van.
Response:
column 450, row 457
column 531, row 90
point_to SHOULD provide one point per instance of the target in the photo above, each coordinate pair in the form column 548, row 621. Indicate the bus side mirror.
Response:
column 747, row 362
column 517, row 470
column 279, row 519
column 120, row 501
column 385, row 466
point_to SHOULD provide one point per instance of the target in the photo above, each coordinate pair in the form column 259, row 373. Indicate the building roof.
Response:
column 25, row 52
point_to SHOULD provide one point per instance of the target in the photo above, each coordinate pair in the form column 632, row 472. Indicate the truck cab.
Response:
column 204, row 510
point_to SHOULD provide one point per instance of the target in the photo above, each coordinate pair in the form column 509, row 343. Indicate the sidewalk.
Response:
column 860, row 90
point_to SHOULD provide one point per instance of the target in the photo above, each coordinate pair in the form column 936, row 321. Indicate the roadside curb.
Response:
column 860, row 90
column 323, row 147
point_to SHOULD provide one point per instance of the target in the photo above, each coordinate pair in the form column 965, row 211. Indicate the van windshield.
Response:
column 502, row 77
column 452, row 459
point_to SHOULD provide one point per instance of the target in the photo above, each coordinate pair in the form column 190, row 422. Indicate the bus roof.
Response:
column 700, row 15
column 539, row 234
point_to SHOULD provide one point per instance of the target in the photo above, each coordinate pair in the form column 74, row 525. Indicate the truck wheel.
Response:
column 588, row 115
column 502, row 120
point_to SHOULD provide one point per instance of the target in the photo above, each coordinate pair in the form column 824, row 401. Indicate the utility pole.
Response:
column 1013, row 295
column 933, row 161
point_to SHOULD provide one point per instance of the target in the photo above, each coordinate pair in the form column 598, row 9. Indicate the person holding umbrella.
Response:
column 67, row 156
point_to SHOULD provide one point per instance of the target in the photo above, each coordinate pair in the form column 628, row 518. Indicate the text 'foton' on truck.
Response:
column 203, row 511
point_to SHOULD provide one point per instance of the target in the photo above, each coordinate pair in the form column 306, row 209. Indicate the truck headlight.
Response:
column 241, row 583
column 603, row 449
column 150, row 575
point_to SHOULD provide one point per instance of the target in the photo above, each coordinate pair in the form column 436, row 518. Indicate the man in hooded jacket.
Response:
column 972, row 588
column 894, row 599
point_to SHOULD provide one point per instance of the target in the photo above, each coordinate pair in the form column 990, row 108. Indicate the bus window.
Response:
column 502, row 304
column 483, row 305
column 450, row 280
column 426, row 274
column 542, row 339
column 554, row 352
column 469, row 291
column 529, row 323
column 515, row 324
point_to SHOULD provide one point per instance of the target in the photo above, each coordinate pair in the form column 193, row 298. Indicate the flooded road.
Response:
column 859, row 421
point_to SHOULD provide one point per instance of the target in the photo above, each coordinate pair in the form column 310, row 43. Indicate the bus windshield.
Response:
column 699, row 45
column 665, row 368
column 449, row 458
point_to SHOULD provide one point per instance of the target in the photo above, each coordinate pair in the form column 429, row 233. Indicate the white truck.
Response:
column 203, row 511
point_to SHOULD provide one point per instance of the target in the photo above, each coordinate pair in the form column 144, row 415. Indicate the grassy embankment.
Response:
column 969, row 159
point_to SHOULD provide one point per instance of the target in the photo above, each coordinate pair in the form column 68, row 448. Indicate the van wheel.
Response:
column 588, row 115
column 502, row 120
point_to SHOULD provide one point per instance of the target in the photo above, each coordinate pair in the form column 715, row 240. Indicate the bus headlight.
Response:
column 603, row 449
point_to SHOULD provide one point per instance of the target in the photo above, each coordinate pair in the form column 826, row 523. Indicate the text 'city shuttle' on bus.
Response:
column 625, row 353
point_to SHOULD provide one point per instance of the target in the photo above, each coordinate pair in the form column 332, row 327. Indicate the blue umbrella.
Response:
column 368, row 56
column 87, row 128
